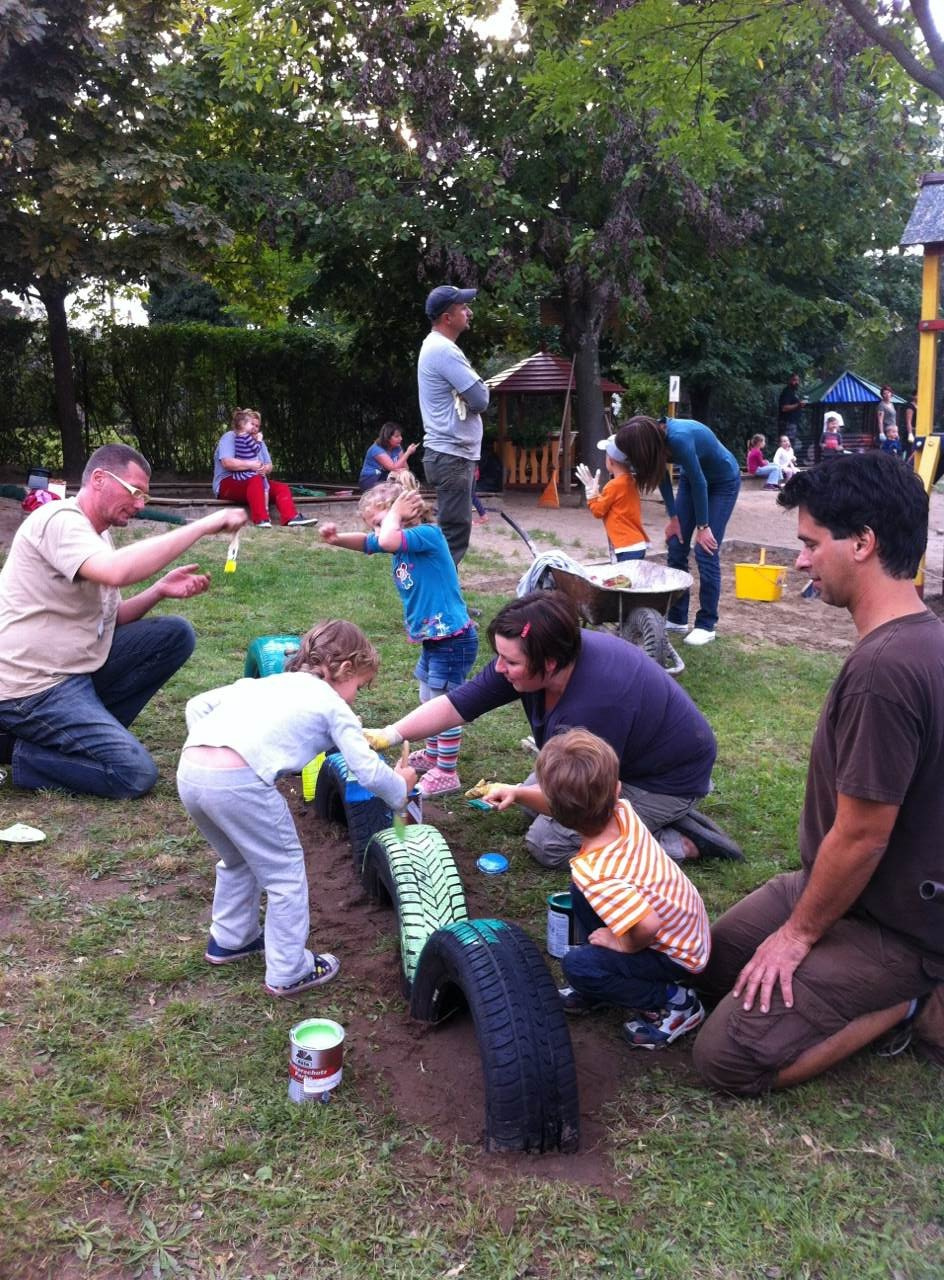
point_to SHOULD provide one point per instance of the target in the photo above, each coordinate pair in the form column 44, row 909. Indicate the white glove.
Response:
column 462, row 408
column 381, row 739
column 591, row 483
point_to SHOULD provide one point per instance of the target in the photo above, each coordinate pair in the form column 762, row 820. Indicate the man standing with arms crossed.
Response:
column 78, row 662
column 819, row 962
column 452, row 399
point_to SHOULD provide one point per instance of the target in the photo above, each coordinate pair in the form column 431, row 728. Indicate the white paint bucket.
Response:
column 316, row 1052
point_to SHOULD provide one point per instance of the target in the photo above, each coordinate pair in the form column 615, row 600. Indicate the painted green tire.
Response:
column 496, row 971
column 418, row 876
column 266, row 655
column 341, row 799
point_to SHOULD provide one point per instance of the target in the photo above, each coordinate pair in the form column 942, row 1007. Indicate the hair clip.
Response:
column 525, row 629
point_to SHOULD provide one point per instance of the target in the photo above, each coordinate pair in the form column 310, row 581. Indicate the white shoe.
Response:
column 676, row 626
column 699, row 636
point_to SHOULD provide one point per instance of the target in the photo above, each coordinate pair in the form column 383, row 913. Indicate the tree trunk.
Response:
column 584, row 311
column 60, row 348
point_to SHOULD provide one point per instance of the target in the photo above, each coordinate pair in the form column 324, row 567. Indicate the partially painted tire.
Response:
column 340, row 798
column 418, row 876
column 266, row 655
column 495, row 969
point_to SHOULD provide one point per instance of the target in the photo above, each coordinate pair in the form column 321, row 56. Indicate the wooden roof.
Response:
column 541, row 374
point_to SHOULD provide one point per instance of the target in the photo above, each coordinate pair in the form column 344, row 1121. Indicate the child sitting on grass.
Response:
column 241, row 738
column 434, row 611
column 618, row 505
column 646, row 926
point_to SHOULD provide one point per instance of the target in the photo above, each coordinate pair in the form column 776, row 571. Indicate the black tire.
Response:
column 266, row 655
column 340, row 798
column 418, row 876
column 646, row 627
column 494, row 969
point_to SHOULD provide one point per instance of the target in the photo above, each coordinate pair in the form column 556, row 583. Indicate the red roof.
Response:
column 542, row 374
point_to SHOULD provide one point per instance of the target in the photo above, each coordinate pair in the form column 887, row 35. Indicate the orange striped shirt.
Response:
column 632, row 875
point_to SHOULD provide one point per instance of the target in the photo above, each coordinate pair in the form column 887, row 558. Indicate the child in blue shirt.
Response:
column 435, row 614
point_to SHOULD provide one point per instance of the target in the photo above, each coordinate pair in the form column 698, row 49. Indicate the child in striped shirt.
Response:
column 646, row 925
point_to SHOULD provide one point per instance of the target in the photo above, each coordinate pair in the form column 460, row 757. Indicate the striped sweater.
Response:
column 632, row 875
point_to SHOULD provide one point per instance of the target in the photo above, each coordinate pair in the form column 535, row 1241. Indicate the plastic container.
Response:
column 759, row 581
column 492, row 864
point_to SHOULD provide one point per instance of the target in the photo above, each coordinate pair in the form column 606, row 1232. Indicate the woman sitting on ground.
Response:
column 242, row 472
column 385, row 457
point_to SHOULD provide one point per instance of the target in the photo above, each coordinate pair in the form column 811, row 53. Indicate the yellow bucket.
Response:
column 759, row 581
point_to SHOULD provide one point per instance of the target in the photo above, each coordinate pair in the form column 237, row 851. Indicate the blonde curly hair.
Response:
column 335, row 651
column 382, row 497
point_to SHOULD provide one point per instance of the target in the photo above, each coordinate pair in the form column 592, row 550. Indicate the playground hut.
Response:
column 529, row 450
column 854, row 398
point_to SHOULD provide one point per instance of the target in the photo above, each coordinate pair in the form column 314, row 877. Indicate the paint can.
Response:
column 560, row 924
column 316, row 1051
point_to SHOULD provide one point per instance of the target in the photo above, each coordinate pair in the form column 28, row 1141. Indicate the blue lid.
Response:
column 493, row 864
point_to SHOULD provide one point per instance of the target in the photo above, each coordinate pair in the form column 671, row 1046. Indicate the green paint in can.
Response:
column 316, row 1052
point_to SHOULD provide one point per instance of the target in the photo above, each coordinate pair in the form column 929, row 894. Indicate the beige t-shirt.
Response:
column 53, row 624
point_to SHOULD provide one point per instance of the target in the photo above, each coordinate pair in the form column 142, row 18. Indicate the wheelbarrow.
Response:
column 632, row 594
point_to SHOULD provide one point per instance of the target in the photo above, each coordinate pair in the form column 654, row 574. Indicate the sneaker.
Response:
column 574, row 1003
column 698, row 635
column 264, row 524
column 421, row 761
column 662, row 1027
column 775, row 487
column 438, row 782
column 326, row 967
column 676, row 626
column 296, row 522
column 215, row 954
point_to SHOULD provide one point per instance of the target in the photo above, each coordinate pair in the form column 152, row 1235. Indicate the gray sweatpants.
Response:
column 554, row 845
column 247, row 822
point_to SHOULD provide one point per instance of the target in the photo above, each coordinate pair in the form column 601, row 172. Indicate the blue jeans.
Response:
column 721, row 500
column 445, row 664
column 772, row 474
column 74, row 735
column 634, row 981
column 630, row 555
column 452, row 477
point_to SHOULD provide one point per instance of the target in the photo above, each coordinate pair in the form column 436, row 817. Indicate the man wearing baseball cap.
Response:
column 452, row 398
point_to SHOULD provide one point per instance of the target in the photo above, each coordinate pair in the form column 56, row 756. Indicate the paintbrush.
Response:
column 399, row 819
column 232, row 554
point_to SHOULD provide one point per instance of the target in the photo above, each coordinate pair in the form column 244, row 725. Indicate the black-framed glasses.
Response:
column 135, row 492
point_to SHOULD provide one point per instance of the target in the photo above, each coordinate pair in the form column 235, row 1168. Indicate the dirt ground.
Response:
column 428, row 1075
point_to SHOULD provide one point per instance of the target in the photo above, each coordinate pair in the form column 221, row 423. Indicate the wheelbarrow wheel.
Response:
column 646, row 628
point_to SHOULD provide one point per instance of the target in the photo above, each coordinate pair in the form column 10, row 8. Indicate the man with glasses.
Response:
column 78, row 662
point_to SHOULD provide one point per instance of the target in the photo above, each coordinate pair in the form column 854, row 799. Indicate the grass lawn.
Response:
column 146, row 1129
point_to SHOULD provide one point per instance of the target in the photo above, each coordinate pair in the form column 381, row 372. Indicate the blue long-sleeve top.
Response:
column 704, row 459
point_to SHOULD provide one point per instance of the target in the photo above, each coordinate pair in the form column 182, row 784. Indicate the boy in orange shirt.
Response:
column 618, row 505
column 646, row 925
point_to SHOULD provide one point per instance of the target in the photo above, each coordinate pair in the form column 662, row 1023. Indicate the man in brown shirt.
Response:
column 819, row 962
column 77, row 660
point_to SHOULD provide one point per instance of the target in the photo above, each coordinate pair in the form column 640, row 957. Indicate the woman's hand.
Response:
column 705, row 539
column 409, row 451
column 673, row 529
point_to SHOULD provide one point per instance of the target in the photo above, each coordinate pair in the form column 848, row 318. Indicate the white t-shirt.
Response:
column 280, row 722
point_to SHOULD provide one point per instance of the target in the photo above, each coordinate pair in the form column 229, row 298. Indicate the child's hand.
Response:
column 408, row 506
column 501, row 795
column 605, row 938
column 407, row 773
column 329, row 533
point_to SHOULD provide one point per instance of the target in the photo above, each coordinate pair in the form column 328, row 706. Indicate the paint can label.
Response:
column 316, row 1051
column 560, row 924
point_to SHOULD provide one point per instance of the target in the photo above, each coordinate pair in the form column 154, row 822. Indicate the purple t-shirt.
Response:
column 665, row 745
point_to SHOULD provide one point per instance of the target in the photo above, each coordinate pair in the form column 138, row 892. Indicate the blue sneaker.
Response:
column 215, row 954
column 661, row 1027
column 326, row 967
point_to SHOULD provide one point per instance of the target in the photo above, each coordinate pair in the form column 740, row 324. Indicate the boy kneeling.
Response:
column 645, row 922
